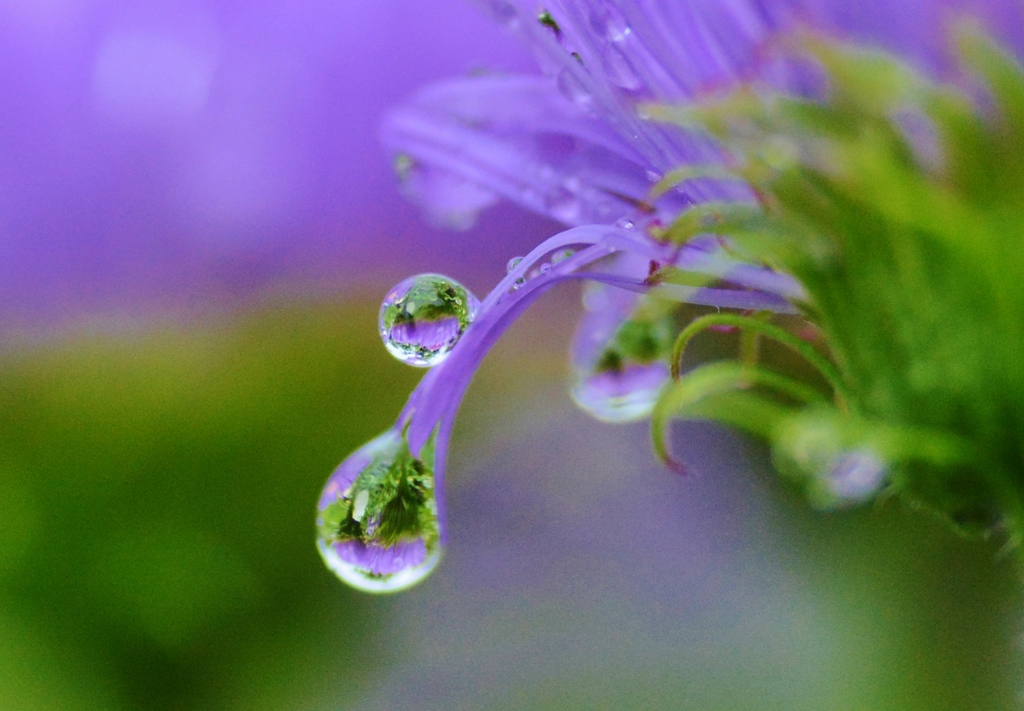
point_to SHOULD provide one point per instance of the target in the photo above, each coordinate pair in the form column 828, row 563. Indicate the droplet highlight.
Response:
column 377, row 523
column 423, row 317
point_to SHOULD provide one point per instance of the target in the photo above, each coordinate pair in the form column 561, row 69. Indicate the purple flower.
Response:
column 574, row 144
column 172, row 155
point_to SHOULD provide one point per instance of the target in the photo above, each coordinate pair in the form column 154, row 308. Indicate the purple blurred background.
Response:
column 172, row 156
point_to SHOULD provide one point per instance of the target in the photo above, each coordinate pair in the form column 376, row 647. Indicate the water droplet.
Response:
column 403, row 165
column 625, row 223
column 512, row 264
column 423, row 317
column 561, row 256
column 544, row 268
column 609, row 22
column 377, row 524
column 620, row 366
column 619, row 69
column 624, row 395
column 654, row 176
column 451, row 200
column 855, row 476
column 503, row 11
column 822, row 452
column 563, row 205
column 572, row 88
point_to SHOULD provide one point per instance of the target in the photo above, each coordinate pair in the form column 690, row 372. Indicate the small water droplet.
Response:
column 855, row 476
column 561, row 256
column 377, row 524
column 835, row 469
column 503, row 11
column 607, row 20
column 544, row 268
column 619, row 69
column 512, row 264
column 572, row 88
column 563, row 205
column 403, row 165
column 625, row 223
column 423, row 317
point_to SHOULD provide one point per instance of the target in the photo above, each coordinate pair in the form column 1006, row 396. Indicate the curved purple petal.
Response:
column 520, row 138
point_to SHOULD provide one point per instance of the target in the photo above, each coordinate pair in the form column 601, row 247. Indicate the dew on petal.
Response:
column 570, row 86
column 624, row 395
column 423, row 318
column 857, row 475
column 619, row 70
column 450, row 200
column 836, row 470
column 512, row 264
column 377, row 525
column 564, row 205
column 503, row 11
column 607, row 20
column 619, row 355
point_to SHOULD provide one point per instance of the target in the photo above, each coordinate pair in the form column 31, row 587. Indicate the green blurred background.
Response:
column 156, row 545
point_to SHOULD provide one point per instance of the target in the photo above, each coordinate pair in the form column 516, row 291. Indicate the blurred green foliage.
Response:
column 156, row 546
column 157, row 499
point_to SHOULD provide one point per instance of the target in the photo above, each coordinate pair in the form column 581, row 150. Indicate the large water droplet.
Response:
column 623, row 394
column 377, row 525
column 423, row 318
column 619, row 357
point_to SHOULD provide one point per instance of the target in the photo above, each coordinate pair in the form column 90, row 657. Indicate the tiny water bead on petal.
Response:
column 377, row 522
column 835, row 469
column 451, row 201
column 856, row 476
column 423, row 317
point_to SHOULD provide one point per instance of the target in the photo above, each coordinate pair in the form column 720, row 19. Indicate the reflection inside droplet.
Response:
column 377, row 525
column 423, row 317
column 620, row 355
